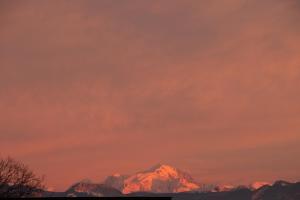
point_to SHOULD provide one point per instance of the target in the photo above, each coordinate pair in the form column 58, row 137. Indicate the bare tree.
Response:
column 17, row 180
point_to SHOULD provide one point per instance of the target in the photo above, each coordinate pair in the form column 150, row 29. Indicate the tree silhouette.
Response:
column 17, row 180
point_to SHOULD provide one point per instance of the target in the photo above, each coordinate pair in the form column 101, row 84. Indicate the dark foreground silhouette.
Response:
column 280, row 190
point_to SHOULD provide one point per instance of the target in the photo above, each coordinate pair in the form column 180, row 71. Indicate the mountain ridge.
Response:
column 278, row 191
column 165, row 180
column 160, row 178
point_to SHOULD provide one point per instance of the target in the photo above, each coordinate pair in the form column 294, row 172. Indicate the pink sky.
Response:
column 90, row 88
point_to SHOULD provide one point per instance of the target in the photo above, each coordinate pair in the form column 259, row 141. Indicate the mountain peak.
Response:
column 281, row 183
column 160, row 178
column 162, row 169
column 88, row 188
column 159, row 165
column 258, row 184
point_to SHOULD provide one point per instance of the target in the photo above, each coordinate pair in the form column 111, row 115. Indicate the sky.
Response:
column 93, row 87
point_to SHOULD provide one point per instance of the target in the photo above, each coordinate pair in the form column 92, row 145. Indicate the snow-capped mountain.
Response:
column 253, row 186
column 157, row 179
column 87, row 188
column 223, row 188
column 280, row 190
column 258, row 184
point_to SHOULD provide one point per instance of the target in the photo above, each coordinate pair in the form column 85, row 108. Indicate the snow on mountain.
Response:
column 157, row 179
column 116, row 181
column 280, row 190
column 258, row 184
column 281, row 183
column 253, row 186
column 87, row 188
column 223, row 188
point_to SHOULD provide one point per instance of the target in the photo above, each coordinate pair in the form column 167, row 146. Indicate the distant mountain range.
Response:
column 165, row 180
column 157, row 179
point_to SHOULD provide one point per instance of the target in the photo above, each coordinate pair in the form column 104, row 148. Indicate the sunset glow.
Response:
column 97, row 87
